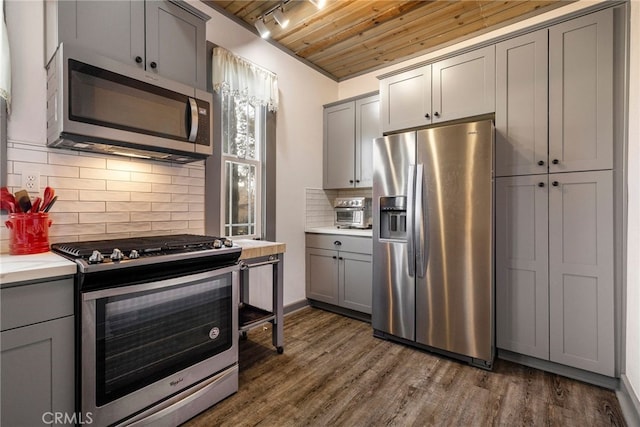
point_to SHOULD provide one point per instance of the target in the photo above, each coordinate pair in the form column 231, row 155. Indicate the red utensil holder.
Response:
column 29, row 233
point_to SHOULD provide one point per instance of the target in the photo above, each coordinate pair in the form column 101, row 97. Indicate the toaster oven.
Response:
column 352, row 212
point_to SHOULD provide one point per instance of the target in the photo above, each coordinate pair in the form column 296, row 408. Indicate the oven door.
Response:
column 146, row 342
column 348, row 217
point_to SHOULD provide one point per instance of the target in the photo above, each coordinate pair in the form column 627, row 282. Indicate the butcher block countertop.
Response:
column 259, row 248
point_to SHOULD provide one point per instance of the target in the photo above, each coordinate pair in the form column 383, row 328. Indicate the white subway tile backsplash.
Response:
column 128, row 206
column 128, row 186
column 107, row 197
column 103, row 217
column 112, row 196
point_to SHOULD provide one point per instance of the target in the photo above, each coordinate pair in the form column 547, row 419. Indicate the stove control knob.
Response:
column 96, row 257
column 217, row 244
column 116, row 255
column 228, row 243
column 134, row 254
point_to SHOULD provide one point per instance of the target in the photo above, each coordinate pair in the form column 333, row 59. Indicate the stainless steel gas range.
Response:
column 156, row 327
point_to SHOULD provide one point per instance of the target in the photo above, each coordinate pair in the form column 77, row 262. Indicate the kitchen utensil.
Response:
column 7, row 205
column 49, row 193
column 28, row 233
column 24, row 202
column 46, row 208
column 35, row 207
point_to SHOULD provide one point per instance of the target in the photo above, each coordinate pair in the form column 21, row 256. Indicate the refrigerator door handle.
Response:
column 422, row 224
column 411, row 223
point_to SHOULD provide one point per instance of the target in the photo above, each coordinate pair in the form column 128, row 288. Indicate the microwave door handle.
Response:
column 194, row 120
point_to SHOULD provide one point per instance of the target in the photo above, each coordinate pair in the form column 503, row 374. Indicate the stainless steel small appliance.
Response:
column 100, row 105
column 352, row 212
column 156, row 327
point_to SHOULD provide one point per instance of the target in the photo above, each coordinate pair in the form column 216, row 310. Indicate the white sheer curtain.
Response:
column 241, row 78
column 5, row 60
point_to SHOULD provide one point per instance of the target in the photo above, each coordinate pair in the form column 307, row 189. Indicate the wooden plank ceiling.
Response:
column 347, row 38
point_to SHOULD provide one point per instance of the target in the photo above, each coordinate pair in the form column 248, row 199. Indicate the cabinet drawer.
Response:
column 28, row 304
column 363, row 245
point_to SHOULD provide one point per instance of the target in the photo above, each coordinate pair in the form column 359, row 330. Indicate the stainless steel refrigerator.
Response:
column 433, row 275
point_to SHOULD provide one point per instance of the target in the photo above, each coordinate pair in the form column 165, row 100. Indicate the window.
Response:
column 243, row 142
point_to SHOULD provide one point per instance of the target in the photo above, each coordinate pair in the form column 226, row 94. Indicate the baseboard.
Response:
column 295, row 306
column 364, row 317
column 629, row 402
column 556, row 368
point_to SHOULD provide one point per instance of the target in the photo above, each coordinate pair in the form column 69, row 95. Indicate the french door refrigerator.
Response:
column 433, row 273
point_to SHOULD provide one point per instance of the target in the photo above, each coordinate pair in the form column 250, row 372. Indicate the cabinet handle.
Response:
column 555, row 161
column 340, row 258
column 555, row 183
column 357, row 181
column 350, row 181
column 337, row 243
column 436, row 114
column 541, row 162
column 541, row 184
column 427, row 116
column 334, row 257
column 138, row 59
column 153, row 65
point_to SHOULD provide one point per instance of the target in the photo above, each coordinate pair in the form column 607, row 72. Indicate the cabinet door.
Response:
column 522, row 284
column 176, row 42
column 464, row 85
column 355, row 281
column 322, row 275
column 112, row 28
column 37, row 373
column 406, row 100
column 581, row 93
column 367, row 128
column 521, row 105
column 581, row 270
column 339, row 142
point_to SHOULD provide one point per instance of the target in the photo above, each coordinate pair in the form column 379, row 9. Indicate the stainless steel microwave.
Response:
column 97, row 104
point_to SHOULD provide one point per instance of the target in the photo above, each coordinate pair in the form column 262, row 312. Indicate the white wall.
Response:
column 633, row 213
column 303, row 91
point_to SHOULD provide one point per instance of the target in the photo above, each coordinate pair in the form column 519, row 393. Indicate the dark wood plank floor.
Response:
column 335, row 373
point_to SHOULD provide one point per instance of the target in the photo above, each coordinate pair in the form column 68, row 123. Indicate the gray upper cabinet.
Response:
column 156, row 35
column 581, row 270
column 464, row 86
column 521, row 105
column 406, row 100
column 349, row 130
column 522, row 281
column 454, row 88
column 581, row 93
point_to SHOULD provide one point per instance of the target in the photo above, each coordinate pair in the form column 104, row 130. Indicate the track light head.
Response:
column 262, row 28
column 282, row 20
column 318, row 3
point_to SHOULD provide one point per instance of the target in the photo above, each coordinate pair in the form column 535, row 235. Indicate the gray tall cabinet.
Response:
column 163, row 37
column 554, row 194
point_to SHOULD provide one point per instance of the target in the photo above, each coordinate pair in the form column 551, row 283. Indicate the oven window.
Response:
column 146, row 336
column 345, row 216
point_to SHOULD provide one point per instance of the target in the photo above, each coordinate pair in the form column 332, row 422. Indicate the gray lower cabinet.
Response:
column 37, row 354
column 349, row 130
column 554, row 268
column 159, row 36
column 339, row 270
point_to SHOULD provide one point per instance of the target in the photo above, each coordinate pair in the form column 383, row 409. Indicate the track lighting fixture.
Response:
column 318, row 3
column 282, row 20
column 262, row 28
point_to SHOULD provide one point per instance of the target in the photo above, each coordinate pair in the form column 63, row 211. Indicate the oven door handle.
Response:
column 141, row 287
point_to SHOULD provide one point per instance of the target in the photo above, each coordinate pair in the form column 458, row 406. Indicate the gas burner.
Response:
column 147, row 250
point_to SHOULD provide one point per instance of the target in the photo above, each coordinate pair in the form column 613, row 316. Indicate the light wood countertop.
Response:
column 259, row 248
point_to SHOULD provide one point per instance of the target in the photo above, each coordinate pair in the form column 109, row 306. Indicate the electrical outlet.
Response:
column 31, row 181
